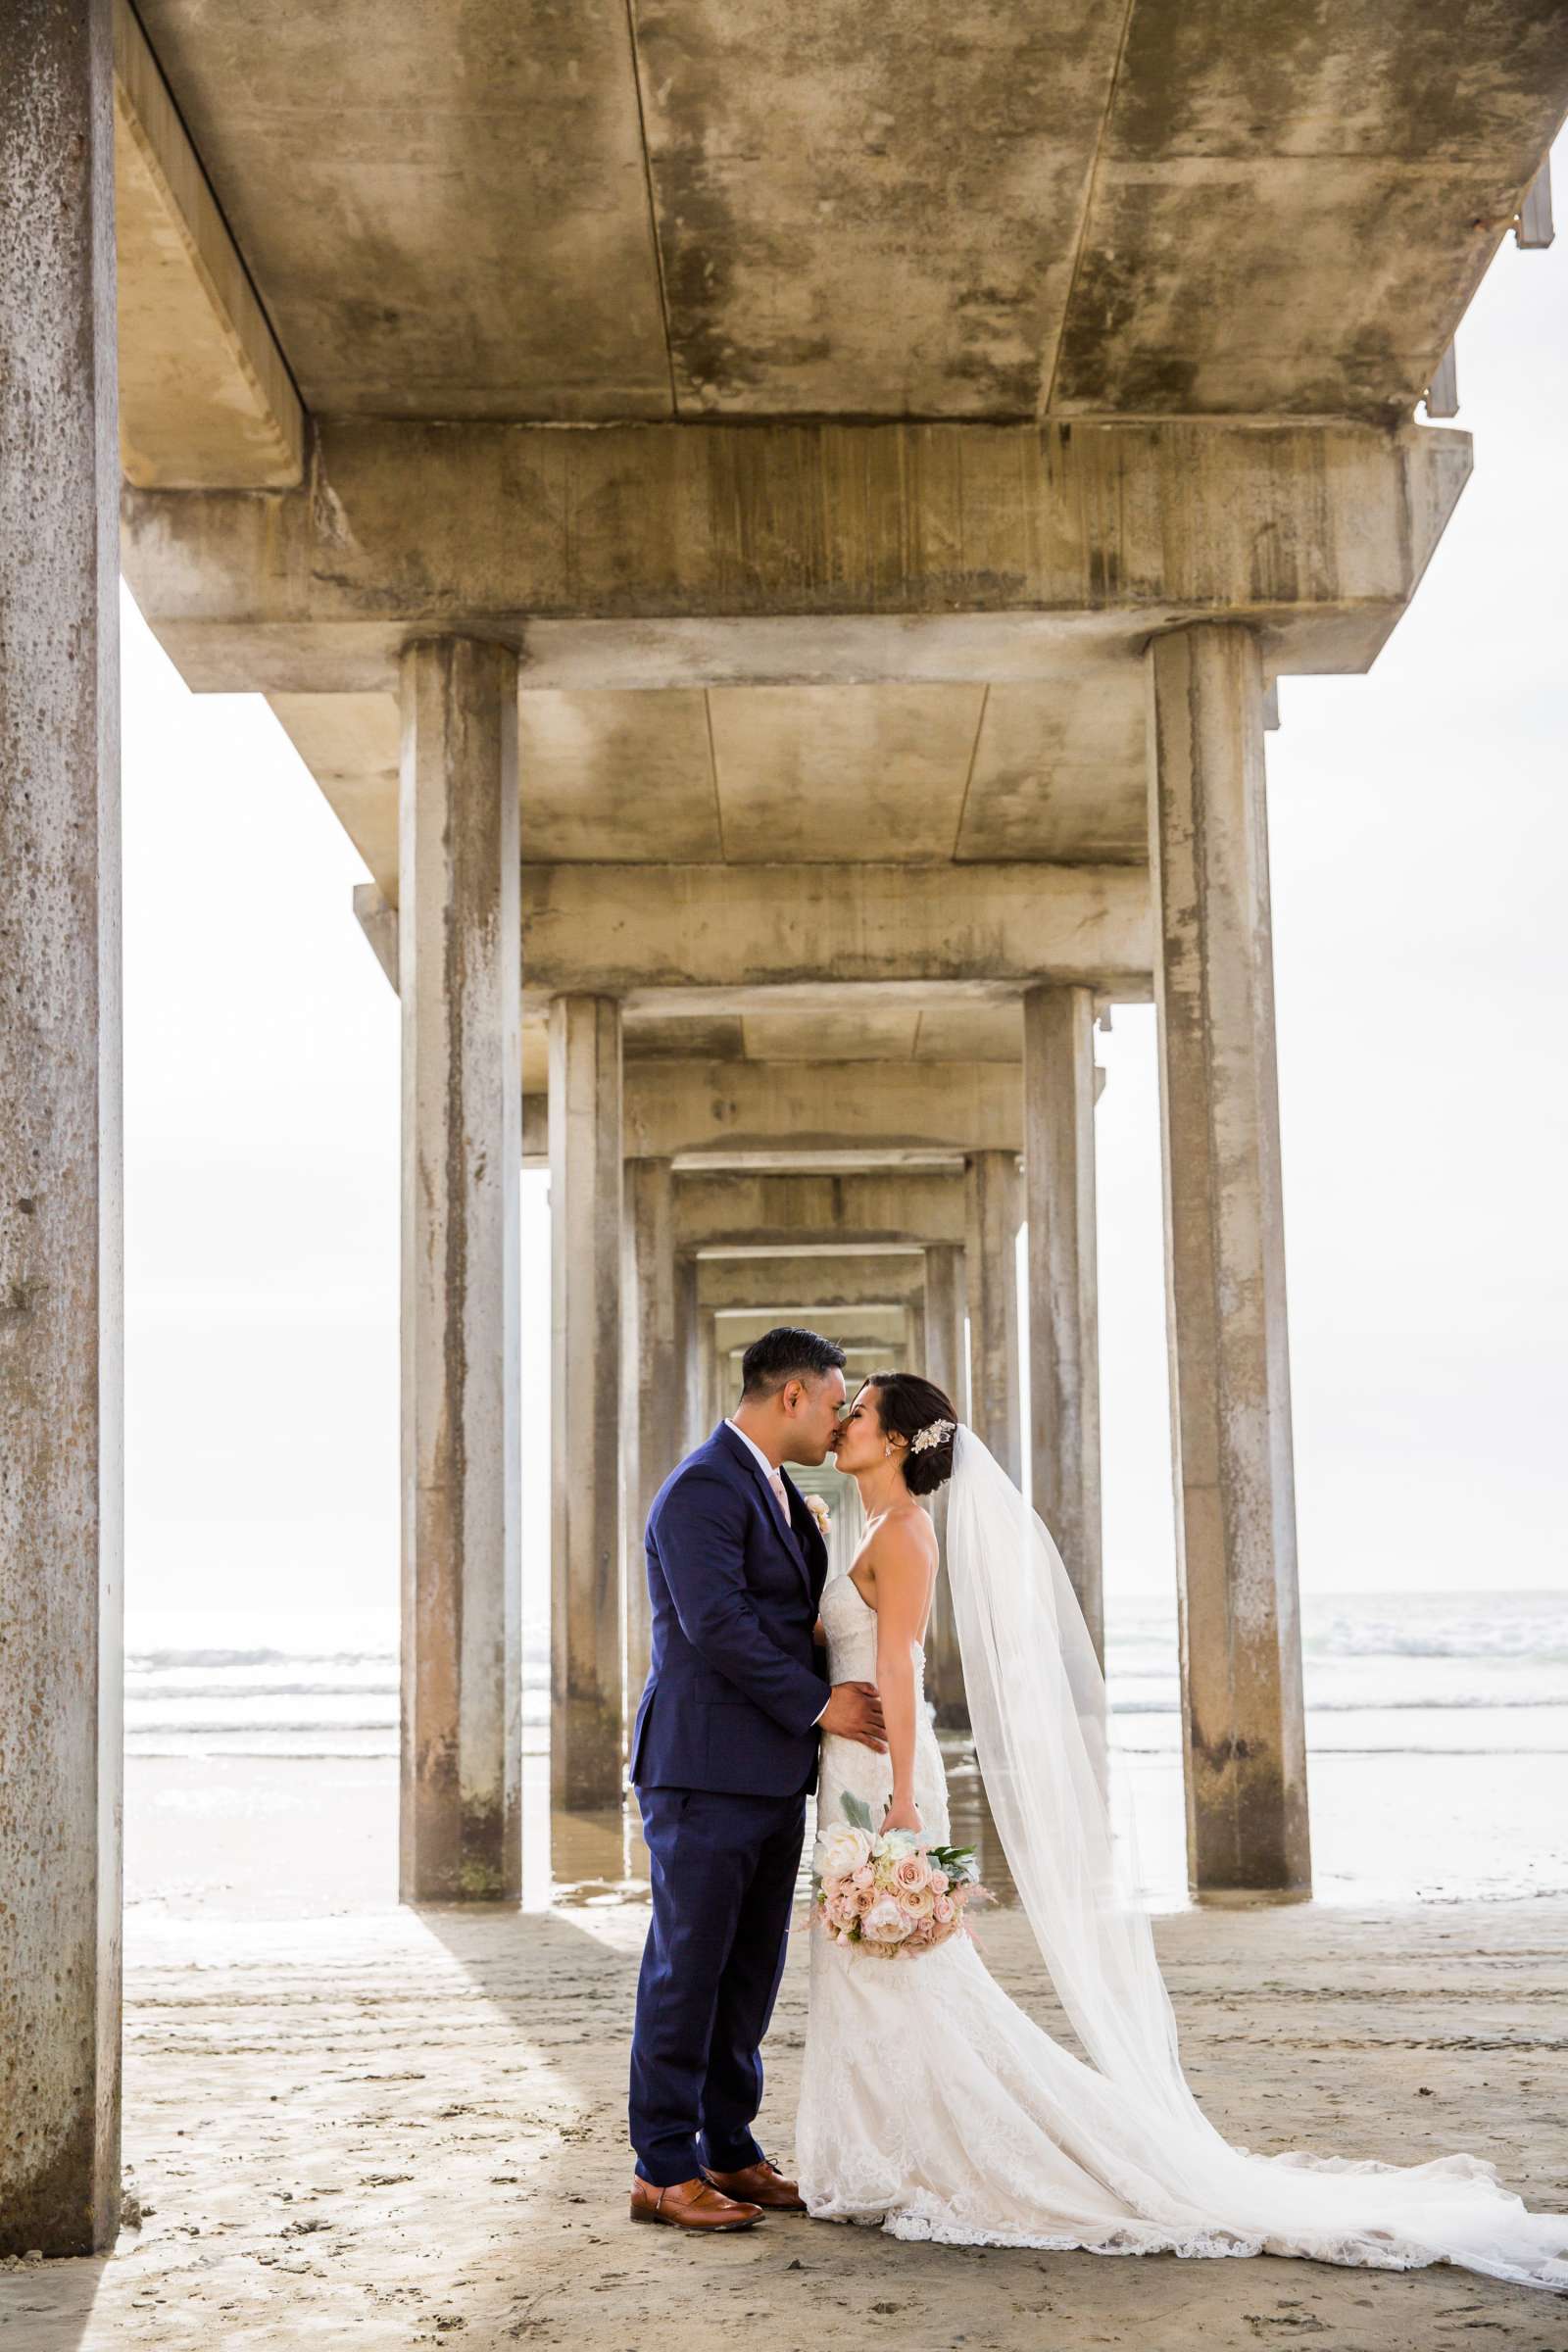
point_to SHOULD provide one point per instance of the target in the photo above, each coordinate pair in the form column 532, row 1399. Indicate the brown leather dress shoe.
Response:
column 690, row 2205
column 761, row 2185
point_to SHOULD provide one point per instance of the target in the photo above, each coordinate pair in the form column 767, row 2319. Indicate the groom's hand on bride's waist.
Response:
column 853, row 1711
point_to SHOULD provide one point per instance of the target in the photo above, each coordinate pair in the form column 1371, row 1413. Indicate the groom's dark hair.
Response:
column 787, row 1352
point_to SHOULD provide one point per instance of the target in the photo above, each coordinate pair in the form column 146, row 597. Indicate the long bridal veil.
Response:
column 1037, row 1705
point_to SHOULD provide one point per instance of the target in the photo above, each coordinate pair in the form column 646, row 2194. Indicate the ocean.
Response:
column 1437, row 1725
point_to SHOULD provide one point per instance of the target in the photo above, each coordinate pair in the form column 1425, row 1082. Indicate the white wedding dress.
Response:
column 933, row 2107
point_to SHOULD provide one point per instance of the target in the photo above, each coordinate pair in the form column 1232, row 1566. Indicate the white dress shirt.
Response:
column 773, row 1475
column 770, row 1470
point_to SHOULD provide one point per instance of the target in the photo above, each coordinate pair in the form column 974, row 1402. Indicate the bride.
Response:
column 930, row 2104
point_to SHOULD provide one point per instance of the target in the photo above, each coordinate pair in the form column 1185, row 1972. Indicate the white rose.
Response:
column 885, row 1922
column 841, row 1851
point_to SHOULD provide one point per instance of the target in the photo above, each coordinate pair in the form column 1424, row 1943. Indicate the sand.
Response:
column 352, row 2125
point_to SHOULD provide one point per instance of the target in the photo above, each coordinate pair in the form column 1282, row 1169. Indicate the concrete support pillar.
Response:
column 656, row 1434
column 60, row 1138
column 1059, row 1161
column 587, row 1552
column 1246, row 1751
column 712, row 1374
column 460, row 977
column 992, row 1218
column 944, row 1363
column 687, row 1371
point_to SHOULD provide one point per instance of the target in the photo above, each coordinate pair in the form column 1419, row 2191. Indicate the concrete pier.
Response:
column 587, row 1557
column 1058, row 1172
column 803, row 544
column 946, row 1361
column 655, row 1414
column 459, row 956
column 991, row 1263
column 60, row 1283
column 1242, row 1710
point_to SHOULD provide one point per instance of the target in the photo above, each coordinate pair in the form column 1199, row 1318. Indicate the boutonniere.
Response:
column 821, row 1513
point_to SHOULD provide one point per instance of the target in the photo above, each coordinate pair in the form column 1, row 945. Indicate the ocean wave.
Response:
column 161, row 1722
column 167, row 1661
column 248, row 1691
column 1367, row 1706
column 1540, row 1645
column 1469, row 1640
column 237, row 1729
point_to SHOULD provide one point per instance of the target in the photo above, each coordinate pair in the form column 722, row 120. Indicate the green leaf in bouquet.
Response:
column 856, row 1811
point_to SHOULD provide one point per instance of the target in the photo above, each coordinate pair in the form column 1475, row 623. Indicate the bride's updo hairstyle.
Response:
column 906, row 1404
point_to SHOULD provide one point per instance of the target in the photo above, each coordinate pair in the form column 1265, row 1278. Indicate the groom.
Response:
column 722, row 1756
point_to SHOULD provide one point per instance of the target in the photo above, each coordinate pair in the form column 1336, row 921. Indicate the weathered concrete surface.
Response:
column 461, row 1162
column 688, row 1370
column 1246, row 1751
column 1295, row 222
column 717, row 554
column 883, row 1328
column 796, row 1214
column 830, row 1283
column 786, row 1112
column 1072, row 207
column 946, row 1361
column 1050, row 767
column 696, row 941
column 614, row 928
column 446, row 218
column 61, row 1260
column 711, row 1401
column 1064, row 1288
column 587, row 1563
column 993, row 1214
column 654, row 1419
column 206, row 401
column 413, row 2129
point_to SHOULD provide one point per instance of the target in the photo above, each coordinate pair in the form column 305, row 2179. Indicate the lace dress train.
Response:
column 932, row 2107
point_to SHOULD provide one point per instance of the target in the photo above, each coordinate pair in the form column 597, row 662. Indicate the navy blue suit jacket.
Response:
column 736, row 1682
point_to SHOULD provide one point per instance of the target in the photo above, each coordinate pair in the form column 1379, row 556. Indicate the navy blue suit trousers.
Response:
column 723, row 1871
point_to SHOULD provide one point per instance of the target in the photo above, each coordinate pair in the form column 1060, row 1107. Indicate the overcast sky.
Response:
column 1419, row 831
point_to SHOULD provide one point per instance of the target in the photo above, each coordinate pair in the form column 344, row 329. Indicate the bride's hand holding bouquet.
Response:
column 892, row 1894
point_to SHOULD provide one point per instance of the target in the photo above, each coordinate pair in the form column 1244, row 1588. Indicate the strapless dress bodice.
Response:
column 849, row 1624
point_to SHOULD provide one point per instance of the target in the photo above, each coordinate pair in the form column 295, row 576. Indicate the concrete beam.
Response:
column 61, row 1254
column 796, row 1215
column 832, row 1284
column 675, row 1109
column 709, row 939
column 644, row 928
column 863, row 1327
column 206, row 398
column 722, row 552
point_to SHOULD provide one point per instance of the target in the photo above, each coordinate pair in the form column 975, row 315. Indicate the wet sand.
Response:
column 354, row 2125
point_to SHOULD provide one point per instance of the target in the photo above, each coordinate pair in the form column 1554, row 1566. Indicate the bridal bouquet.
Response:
column 892, row 1894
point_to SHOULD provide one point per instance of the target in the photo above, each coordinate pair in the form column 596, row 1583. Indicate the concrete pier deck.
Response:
column 392, row 2128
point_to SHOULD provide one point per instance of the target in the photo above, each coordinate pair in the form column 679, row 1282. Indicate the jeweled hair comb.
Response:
column 932, row 1435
